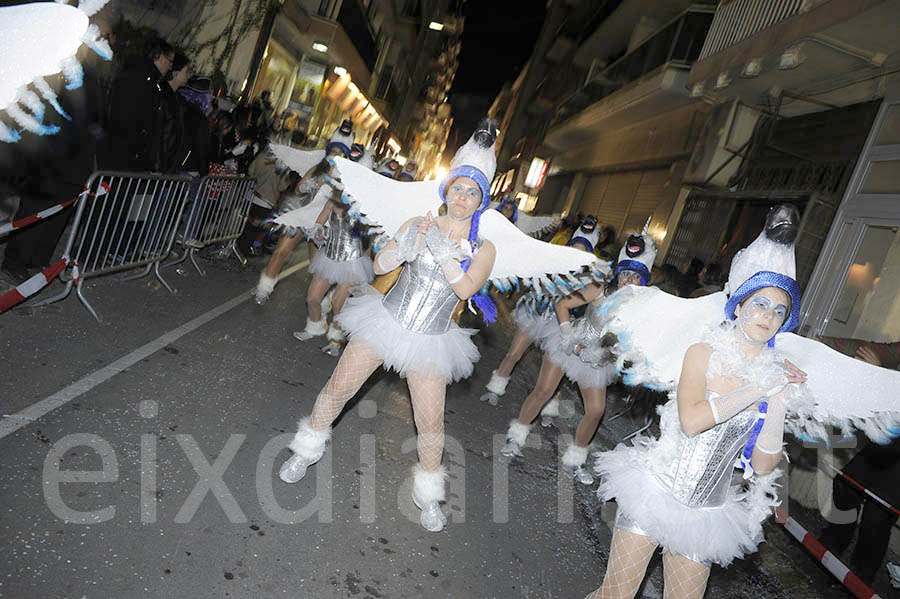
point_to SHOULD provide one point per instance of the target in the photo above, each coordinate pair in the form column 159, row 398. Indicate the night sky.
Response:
column 497, row 41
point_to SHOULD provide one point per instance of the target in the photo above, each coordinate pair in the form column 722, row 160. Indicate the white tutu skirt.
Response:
column 710, row 535
column 352, row 272
column 450, row 355
column 578, row 372
column 536, row 326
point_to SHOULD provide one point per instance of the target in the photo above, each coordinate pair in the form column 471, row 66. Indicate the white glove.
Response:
column 771, row 436
column 442, row 248
column 725, row 406
column 409, row 245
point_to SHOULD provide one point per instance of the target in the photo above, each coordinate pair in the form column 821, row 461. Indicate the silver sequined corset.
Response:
column 340, row 243
column 422, row 300
column 700, row 474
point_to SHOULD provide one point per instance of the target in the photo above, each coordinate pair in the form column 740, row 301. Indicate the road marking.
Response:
column 13, row 422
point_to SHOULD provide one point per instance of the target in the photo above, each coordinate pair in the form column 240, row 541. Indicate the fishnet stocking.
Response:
column 628, row 559
column 548, row 380
column 427, row 394
column 357, row 363
column 683, row 578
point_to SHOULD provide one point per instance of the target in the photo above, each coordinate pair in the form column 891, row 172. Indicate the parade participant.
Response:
column 736, row 390
column 316, row 183
column 534, row 320
column 558, row 343
column 410, row 330
column 409, row 172
column 388, row 167
column 341, row 262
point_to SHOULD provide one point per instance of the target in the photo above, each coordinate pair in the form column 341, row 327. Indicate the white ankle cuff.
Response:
column 266, row 284
column 518, row 432
column 308, row 442
column 429, row 486
column 575, row 456
column 497, row 384
column 314, row 327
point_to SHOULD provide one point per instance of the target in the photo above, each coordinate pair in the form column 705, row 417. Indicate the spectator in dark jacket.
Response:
column 171, row 117
column 197, row 140
column 134, row 127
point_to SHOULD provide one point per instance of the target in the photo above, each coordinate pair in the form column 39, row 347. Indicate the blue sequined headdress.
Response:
column 476, row 160
column 768, row 262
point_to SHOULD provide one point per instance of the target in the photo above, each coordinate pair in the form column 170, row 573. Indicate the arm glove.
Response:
column 446, row 253
column 771, row 436
column 725, row 406
column 409, row 245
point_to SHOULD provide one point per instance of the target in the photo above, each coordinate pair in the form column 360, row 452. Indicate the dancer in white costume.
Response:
column 316, row 184
column 341, row 261
column 410, row 329
column 561, row 341
column 532, row 317
column 734, row 394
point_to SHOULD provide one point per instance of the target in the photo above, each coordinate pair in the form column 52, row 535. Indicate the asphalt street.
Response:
column 139, row 458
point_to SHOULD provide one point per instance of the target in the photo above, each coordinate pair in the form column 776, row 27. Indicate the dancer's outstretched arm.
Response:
column 578, row 298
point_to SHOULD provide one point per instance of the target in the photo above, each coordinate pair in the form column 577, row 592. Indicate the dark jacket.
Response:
column 134, row 127
column 197, row 140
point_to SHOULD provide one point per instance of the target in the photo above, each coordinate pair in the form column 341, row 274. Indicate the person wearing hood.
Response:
column 676, row 491
column 559, row 340
column 310, row 184
column 410, row 329
column 532, row 317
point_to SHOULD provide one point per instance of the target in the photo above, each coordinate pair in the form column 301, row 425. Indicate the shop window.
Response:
column 867, row 307
column 883, row 176
column 890, row 127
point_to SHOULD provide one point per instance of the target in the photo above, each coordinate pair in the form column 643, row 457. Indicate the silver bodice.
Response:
column 341, row 244
column 422, row 300
column 699, row 473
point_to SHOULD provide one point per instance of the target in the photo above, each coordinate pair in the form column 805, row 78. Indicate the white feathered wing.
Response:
column 387, row 204
column 655, row 329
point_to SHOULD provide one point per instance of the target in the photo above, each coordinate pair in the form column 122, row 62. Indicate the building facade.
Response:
column 325, row 60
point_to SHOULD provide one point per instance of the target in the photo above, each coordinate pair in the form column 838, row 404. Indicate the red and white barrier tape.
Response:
column 863, row 489
column 28, row 220
column 35, row 284
column 850, row 580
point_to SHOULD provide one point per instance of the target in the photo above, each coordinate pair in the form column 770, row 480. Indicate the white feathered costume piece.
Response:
column 654, row 331
column 302, row 218
column 386, row 204
column 530, row 224
column 37, row 40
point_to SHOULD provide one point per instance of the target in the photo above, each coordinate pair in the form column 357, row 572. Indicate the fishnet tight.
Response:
column 357, row 363
column 628, row 559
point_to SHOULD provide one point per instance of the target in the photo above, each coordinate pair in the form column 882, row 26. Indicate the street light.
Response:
column 320, row 47
column 436, row 26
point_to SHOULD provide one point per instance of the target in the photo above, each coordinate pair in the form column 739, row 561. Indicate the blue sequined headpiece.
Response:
column 472, row 173
column 633, row 265
column 761, row 280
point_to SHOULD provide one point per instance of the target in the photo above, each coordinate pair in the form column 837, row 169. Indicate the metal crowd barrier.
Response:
column 218, row 214
column 127, row 221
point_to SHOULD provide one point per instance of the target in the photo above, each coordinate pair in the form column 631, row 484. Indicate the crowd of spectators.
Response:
column 155, row 115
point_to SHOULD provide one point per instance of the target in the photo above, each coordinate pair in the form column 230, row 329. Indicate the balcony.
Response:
column 650, row 79
column 802, row 52
column 352, row 18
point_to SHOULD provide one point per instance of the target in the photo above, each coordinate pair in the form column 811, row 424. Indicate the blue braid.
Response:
column 482, row 301
column 473, row 237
